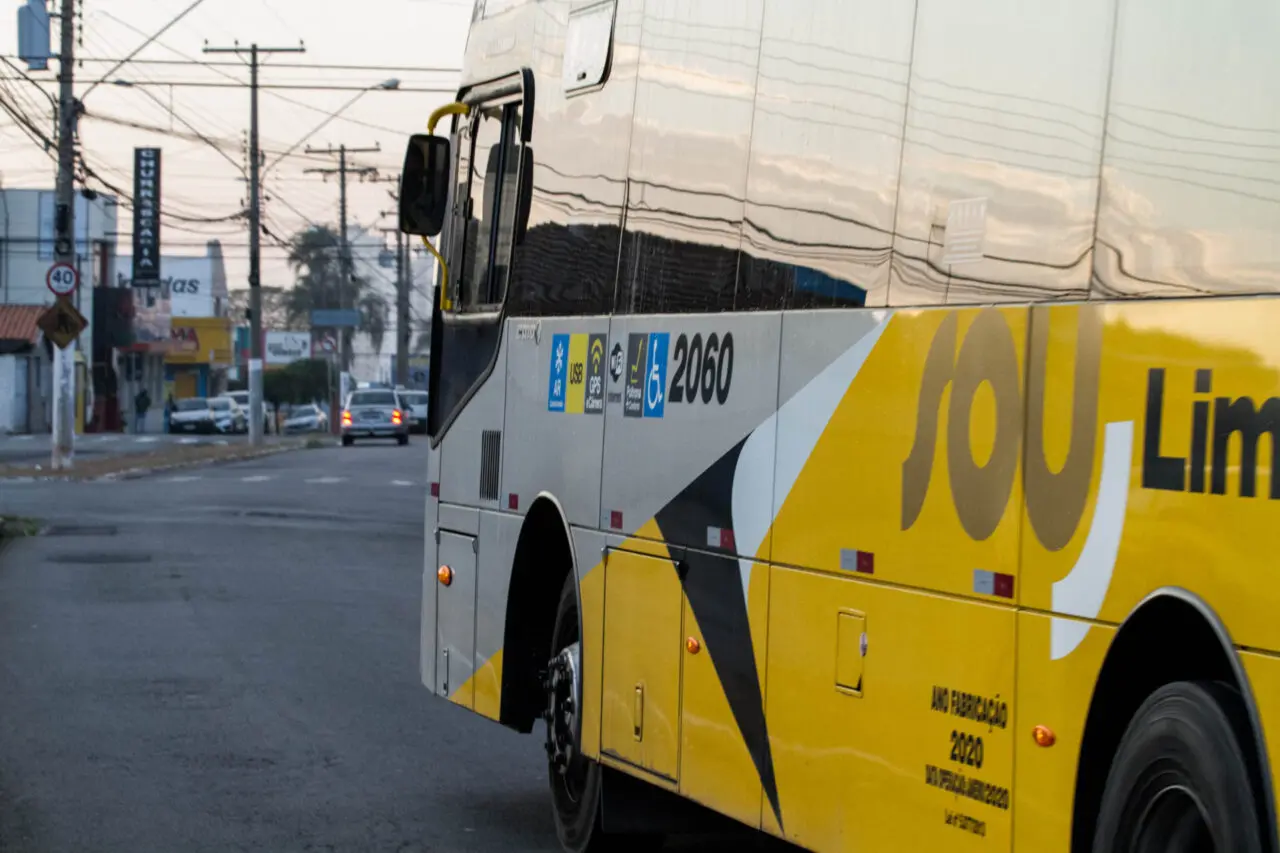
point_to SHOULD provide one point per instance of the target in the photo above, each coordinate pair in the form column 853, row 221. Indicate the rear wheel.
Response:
column 347, row 441
column 1180, row 780
column 402, row 440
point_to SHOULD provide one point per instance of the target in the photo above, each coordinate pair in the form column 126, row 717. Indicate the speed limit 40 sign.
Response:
column 62, row 279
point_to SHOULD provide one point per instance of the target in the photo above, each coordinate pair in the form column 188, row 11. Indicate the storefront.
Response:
column 199, row 354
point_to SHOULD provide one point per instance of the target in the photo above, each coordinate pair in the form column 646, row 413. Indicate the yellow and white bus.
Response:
column 858, row 418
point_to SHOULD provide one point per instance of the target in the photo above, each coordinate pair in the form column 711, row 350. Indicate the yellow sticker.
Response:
column 577, row 374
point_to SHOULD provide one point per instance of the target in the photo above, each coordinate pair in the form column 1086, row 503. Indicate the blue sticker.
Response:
column 655, row 380
column 557, row 386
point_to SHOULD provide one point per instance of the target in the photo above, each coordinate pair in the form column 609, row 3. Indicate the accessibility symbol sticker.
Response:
column 655, row 381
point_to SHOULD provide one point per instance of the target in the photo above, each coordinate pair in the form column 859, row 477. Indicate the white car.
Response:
column 306, row 418
column 242, row 400
column 415, row 404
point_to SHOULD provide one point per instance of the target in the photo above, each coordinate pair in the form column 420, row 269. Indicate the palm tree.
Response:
column 316, row 258
column 373, row 317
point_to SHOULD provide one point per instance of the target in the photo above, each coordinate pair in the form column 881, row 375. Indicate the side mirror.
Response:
column 424, row 185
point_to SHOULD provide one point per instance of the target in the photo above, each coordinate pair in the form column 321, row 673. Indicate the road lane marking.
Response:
column 146, row 440
column 402, row 482
column 256, row 478
column 183, row 479
column 188, row 441
column 327, row 480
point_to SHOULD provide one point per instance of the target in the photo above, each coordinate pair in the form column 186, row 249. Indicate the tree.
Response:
column 316, row 258
column 373, row 318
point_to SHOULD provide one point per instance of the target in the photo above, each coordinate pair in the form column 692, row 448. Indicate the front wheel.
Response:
column 1180, row 781
column 402, row 440
column 347, row 441
column 576, row 781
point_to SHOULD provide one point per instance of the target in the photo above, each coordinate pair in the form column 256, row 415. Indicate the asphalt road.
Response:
column 225, row 659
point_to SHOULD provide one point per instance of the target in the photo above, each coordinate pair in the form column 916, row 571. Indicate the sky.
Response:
column 418, row 42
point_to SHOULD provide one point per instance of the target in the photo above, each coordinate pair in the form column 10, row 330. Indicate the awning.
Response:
column 18, row 323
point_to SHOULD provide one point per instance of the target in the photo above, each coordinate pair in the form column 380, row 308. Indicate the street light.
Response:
column 386, row 85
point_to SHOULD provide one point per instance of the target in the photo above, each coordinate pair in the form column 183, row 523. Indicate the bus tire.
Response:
column 576, row 788
column 1180, row 780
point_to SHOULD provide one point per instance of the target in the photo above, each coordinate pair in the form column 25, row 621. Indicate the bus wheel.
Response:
column 576, row 780
column 1179, row 782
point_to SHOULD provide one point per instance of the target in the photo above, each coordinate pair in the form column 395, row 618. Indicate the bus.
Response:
column 858, row 420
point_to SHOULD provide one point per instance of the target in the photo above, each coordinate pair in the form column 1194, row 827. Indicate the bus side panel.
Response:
column 555, row 414
column 427, row 629
column 466, row 450
column 913, row 476
column 499, row 535
column 1263, row 671
column 1156, row 469
column 590, row 546
column 891, row 715
column 1056, row 694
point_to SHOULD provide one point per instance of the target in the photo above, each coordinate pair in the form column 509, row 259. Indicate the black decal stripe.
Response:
column 713, row 585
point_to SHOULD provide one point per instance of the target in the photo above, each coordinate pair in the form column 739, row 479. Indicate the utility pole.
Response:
column 344, row 247
column 255, row 233
column 64, row 245
column 403, row 286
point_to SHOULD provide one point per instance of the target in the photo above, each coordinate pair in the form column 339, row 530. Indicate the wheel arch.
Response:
column 544, row 557
column 1172, row 635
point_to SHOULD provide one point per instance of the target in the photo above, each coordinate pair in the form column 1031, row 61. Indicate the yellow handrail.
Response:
column 446, row 303
column 459, row 109
column 455, row 109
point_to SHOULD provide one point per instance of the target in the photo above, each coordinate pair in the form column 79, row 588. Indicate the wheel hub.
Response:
column 561, row 715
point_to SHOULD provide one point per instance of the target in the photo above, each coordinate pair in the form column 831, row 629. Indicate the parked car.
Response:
column 306, row 418
column 415, row 404
column 242, row 400
column 228, row 417
column 192, row 415
column 374, row 414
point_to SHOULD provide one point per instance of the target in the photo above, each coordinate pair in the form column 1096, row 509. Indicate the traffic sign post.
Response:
column 62, row 279
column 62, row 323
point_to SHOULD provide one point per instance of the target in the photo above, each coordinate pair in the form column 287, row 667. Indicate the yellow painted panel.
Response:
column 1175, row 382
column 919, row 464
column 488, row 687
column 643, row 647
column 591, row 600
column 1054, row 694
column 577, row 373
column 898, row 768
column 1263, row 671
column 716, row 769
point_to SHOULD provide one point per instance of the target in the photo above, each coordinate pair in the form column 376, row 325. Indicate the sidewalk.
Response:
column 123, row 455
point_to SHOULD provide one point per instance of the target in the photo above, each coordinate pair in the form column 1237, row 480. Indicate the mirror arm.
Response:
column 457, row 108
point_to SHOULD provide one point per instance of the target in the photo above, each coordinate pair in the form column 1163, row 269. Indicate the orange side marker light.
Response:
column 444, row 574
column 1044, row 736
column 692, row 646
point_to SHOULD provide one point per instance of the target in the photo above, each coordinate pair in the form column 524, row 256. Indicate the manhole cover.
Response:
column 81, row 530
column 98, row 558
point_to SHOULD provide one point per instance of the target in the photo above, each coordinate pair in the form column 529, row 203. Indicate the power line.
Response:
column 302, row 87
column 141, row 47
column 308, row 66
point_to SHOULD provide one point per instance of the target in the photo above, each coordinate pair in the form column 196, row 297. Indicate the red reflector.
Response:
column 726, row 539
column 513, row 501
column 615, row 520
column 866, row 562
column 435, row 490
column 1003, row 586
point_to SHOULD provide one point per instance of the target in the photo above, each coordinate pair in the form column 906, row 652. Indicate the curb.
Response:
column 147, row 470
column 137, row 473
